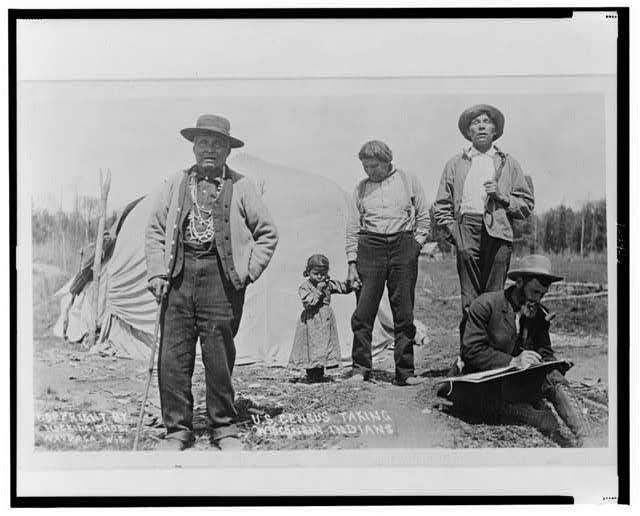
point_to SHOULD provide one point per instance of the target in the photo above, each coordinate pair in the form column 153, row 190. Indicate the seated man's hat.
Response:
column 208, row 124
column 534, row 265
column 469, row 114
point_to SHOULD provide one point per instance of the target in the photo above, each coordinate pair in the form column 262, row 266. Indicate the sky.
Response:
column 306, row 94
column 68, row 131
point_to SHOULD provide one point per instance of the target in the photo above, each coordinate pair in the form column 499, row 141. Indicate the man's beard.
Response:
column 529, row 310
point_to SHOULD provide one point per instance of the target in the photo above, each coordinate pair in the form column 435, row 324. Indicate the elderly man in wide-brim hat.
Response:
column 482, row 191
column 511, row 328
column 208, row 236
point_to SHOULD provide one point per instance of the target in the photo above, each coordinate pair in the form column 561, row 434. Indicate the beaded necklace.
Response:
column 200, row 217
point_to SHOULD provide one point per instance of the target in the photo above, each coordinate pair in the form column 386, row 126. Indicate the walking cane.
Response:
column 156, row 332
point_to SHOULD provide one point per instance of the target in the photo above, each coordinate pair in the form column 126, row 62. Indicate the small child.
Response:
column 316, row 344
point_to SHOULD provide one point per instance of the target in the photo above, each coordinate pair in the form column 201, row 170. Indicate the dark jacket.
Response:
column 497, row 216
column 490, row 339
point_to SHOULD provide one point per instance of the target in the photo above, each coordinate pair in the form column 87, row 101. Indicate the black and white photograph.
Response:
column 283, row 247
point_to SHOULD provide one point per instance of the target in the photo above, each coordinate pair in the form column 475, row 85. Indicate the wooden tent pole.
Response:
column 105, row 184
column 65, row 321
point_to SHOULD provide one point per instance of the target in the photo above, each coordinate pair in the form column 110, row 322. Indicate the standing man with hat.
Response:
column 482, row 190
column 207, row 238
column 511, row 328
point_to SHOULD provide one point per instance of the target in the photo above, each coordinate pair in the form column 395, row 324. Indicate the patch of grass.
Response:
column 575, row 268
column 64, row 255
column 582, row 316
column 439, row 280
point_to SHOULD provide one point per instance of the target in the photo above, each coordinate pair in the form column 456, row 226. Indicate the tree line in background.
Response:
column 58, row 237
column 560, row 230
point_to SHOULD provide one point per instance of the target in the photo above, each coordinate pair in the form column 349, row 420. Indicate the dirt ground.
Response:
column 86, row 401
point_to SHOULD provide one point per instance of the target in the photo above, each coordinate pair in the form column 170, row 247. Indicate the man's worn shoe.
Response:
column 229, row 443
column 171, row 444
column 568, row 408
column 409, row 381
column 444, row 390
column 543, row 420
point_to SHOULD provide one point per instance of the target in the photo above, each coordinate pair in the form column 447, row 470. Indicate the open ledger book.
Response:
column 491, row 374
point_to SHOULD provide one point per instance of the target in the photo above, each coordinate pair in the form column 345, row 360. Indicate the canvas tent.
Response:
column 310, row 213
column 431, row 251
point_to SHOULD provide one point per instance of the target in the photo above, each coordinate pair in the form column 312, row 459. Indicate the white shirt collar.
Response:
column 473, row 152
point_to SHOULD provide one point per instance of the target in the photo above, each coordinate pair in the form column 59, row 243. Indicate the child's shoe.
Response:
column 315, row 375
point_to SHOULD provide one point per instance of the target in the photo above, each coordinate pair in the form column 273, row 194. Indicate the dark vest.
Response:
column 221, row 227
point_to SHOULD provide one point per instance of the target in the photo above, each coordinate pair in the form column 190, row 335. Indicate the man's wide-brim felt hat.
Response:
column 469, row 114
column 212, row 124
column 534, row 265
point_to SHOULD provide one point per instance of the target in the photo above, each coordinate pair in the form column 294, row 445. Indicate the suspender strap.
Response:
column 362, row 186
column 407, row 187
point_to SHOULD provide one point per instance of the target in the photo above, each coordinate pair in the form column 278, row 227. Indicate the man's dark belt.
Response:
column 383, row 235
column 198, row 250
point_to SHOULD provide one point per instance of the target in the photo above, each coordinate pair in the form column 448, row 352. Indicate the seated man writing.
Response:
column 511, row 328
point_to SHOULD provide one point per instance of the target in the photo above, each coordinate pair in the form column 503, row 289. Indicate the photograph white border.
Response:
column 370, row 484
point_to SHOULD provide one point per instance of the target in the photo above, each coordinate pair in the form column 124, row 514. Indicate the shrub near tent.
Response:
column 310, row 213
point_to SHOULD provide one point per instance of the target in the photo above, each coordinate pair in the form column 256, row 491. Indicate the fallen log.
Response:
column 593, row 403
column 576, row 296
column 545, row 299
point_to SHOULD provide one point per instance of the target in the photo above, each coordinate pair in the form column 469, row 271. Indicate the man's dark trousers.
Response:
column 203, row 303
column 390, row 260
column 482, row 260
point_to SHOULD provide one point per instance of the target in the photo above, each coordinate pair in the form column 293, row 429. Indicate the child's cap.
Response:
column 317, row 261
